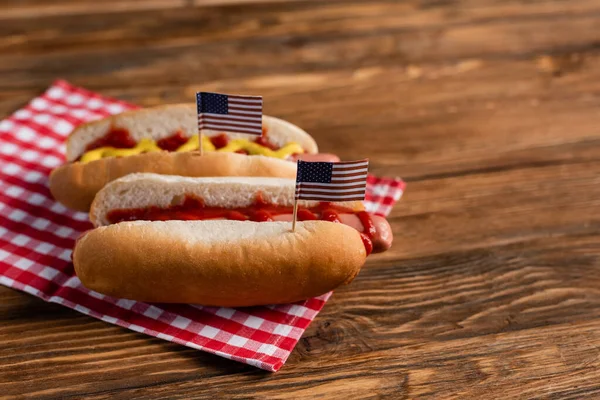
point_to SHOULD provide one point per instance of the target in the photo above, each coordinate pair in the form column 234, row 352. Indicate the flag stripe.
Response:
column 313, row 185
column 360, row 178
column 344, row 164
column 224, row 127
column 229, row 128
column 244, row 107
column 229, row 121
column 341, row 170
column 251, row 118
column 349, row 174
column 244, row 99
column 335, row 192
column 332, row 197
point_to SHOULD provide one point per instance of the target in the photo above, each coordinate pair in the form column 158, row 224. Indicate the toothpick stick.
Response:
column 295, row 215
column 200, row 140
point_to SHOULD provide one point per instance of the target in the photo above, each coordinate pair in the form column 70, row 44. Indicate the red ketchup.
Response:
column 330, row 215
column 264, row 140
column 219, row 141
column 306, row 215
column 369, row 230
column 172, row 142
column 116, row 137
column 194, row 209
column 367, row 242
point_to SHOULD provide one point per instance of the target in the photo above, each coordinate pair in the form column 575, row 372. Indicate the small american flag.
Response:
column 223, row 112
column 328, row 181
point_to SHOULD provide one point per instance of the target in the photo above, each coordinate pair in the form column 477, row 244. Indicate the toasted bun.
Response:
column 76, row 184
column 144, row 190
column 218, row 263
column 163, row 121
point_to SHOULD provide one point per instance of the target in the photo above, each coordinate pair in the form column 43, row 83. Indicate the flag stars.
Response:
column 213, row 103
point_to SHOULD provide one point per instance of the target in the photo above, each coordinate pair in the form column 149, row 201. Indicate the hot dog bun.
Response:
column 162, row 121
column 144, row 190
column 76, row 184
column 218, row 263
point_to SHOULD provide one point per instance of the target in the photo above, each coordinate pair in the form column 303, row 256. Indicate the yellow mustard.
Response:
column 149, row 145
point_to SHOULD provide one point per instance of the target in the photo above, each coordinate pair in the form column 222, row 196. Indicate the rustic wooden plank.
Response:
column 19, row 9
column 271, row 39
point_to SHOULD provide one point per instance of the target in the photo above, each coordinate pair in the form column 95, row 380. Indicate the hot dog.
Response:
column 221, row 241
column 153, row 197
column 164, row 140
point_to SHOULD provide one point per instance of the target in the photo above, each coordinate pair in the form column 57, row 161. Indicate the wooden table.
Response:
column 490, row 110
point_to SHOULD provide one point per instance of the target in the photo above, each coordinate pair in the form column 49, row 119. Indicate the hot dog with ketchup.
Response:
column 163, row 140
column 221, row 241
column 152, row 197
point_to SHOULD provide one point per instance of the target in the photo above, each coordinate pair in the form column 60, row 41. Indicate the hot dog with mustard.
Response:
column 164, row 140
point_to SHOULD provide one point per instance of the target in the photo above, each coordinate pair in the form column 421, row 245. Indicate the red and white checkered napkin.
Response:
column 37, row 235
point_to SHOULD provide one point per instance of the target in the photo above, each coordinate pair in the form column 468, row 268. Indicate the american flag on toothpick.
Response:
column 328, row 181
column 230, row 113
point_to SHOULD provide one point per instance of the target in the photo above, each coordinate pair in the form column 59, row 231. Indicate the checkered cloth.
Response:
column 37, row 235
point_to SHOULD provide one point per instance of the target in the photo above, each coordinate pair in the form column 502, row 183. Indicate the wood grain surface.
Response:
column 490, row 110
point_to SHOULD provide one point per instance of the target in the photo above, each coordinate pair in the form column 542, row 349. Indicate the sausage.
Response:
column 323, row 157
column 382, row 240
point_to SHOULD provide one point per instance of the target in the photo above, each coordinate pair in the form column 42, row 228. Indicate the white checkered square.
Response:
column 74, row 99
column 58, row 109
column 6, row 126
column 226, row 313
column 24, row 264
column 56, row 93
column 62, row 127
column 42, row 119
column 115, row 108
column 36, row 199
column 282, row 330
column 209, row 332
column 65, row 232
column 58, row 208
column 65, row 255
column 297, row 310
column 29, row 155
column 4, row 254
column 44, row 248
column 153, row 312
column 126, row 304
column 94, row 104
column 41, row 224
column 49, row 273
column 181, row 322
column 23, row 114
column 268, row 349
column 39, row 104
column 8, row 148
column 20, row 240
column 254, row 322
column 50, row 161
column 26, row 134
column 11, row 169
column 237, row 341
column 14, row 191
column 47, row 143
